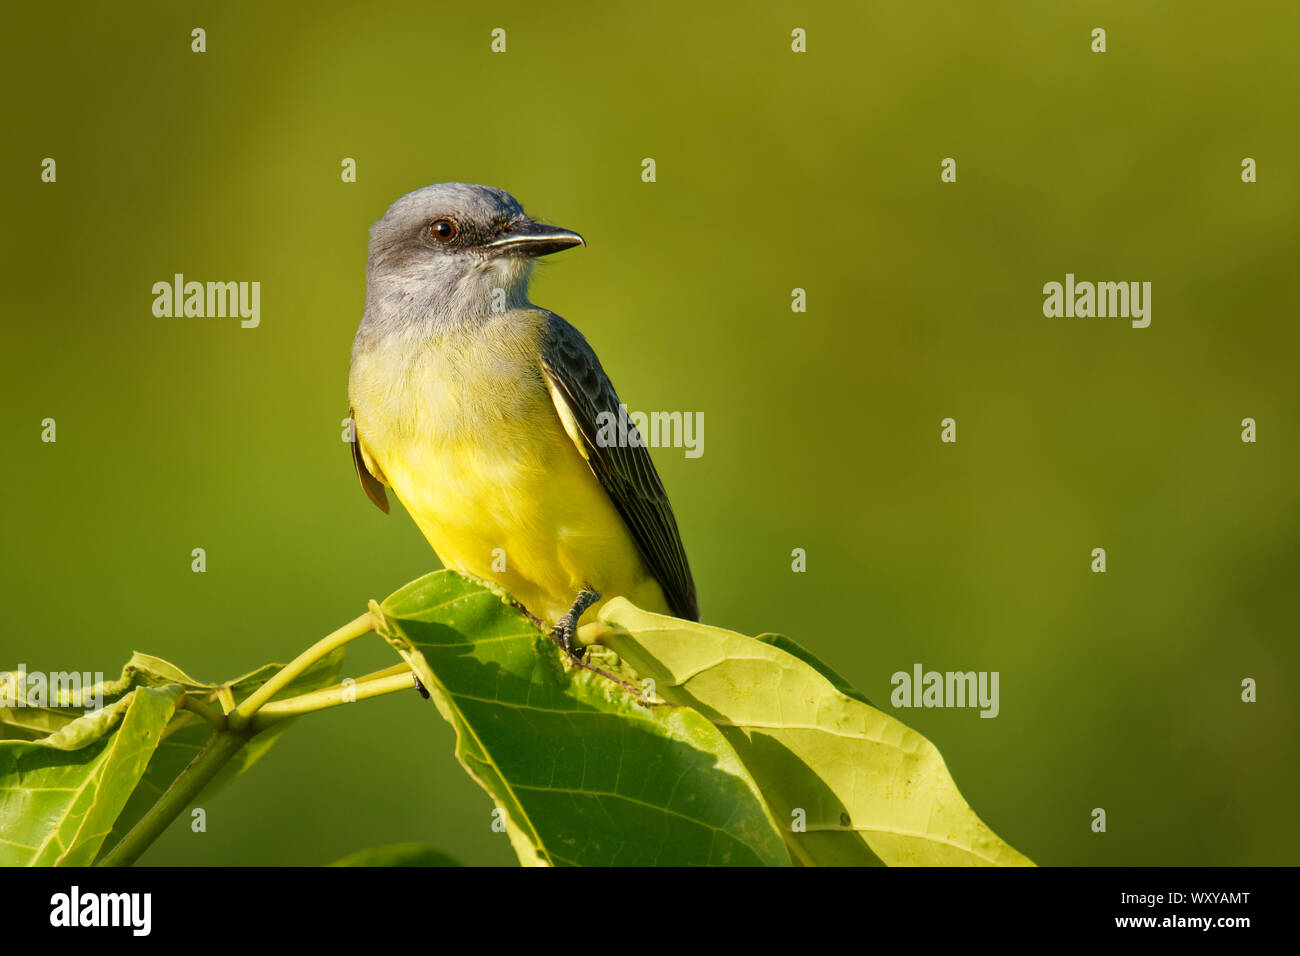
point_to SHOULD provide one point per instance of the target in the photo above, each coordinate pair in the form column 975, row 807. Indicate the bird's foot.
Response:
column 566, row 628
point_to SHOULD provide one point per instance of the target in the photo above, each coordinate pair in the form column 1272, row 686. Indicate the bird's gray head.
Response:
column 451, row 254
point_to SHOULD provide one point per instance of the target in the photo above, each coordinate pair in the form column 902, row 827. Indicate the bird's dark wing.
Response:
column 624, row 470
column 370, row 484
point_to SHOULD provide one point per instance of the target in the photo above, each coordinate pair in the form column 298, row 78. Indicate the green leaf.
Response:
column 864, row 779
column 399, row 854
column 58, row 802
column 187, row 733
column 33, row 723
column 72, row 730
column 584, row 770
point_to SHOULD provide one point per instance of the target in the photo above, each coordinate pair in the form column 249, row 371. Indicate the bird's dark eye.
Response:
column 444, row 230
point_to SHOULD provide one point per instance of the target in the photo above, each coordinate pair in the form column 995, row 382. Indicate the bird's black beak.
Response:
column 528, row 238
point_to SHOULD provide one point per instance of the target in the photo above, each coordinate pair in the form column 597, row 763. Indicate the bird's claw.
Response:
column 566, row 628
column 564, row 634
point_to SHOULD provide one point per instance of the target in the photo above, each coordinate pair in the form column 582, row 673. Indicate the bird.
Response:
column 482, row 413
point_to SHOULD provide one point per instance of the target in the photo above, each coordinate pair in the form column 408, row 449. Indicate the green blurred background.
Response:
column 775, row 171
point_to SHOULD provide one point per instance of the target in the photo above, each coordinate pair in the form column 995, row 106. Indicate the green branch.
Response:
column 241, row 723
column 200, row 771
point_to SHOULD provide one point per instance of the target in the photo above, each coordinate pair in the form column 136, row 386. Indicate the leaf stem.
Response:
column 327, row 697
column 399, row 668
column 195, row 706
column 240, row 717
column 216, row 753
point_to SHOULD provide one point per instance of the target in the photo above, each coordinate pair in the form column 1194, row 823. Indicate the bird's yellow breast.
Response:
column 465, row 431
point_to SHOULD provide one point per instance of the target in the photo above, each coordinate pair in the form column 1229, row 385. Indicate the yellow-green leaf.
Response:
column 863, row 780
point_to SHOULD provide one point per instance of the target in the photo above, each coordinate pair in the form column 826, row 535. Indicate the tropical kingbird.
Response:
column 483, row 413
